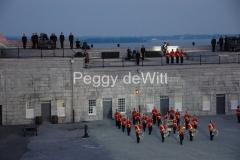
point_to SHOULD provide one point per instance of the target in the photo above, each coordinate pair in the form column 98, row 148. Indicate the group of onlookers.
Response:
column 53, row 39
column 224, row 43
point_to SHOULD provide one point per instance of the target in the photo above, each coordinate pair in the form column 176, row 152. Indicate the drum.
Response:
column 215, row 132
column 170, row 124
column 194, row 132
column 165, row 133
column 141, row 134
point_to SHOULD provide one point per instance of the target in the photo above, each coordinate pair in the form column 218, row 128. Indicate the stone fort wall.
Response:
column 51, row 79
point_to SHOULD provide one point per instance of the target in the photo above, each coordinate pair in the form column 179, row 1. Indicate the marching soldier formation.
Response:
column 171, row 121
column 150, row 123
column 144, row 122
column 211, row 127
column 190, row 128
column 138, row 129
column 181, row 133
column 128, row 126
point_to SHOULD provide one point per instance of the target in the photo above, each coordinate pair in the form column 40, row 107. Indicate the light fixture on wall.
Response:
column 72, row 60
column 136, row 91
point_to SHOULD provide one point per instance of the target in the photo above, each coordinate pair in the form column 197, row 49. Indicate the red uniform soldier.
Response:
column 128, row 126
column 123, row 122
column 172, row 56
column 149, row 123
column 137, row 116
column 181, row 55
column 162, row 128
column 167, row 57
column 186, row 120
column 119, row 120
column 177, row 115
column 194, row 120
column 116, row 116
column 171, row 113
column 238, row 114
column 154, row 114
column 190, row 127
column 166, row 117
column 159, row 118
column 174, row 122
column 133, row 115
column 181, row 133
column 144, row 122
column 138, row 128
column 211, row 126
column 177, row 55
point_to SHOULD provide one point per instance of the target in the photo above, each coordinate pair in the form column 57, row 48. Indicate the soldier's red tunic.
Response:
column 144, row 119
column 138, row 128
column 137, row 116
column 159, row 115
column 162, row 128
column 123, row 121
column 177, row 114
column 174, row 122
column 149, row 122
column 128, row 124
column 154, row 112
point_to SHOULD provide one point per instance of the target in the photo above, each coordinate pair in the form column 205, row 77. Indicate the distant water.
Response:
column 198, row 42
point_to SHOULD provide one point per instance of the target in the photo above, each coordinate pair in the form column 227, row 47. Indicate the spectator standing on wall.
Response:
column 86, row 56
column 71, row 37
column 55, row 40
column 62, row 38
column 181, row 55
column 137, row 57
column 36, row 40
column 24, row 41
column 143, row 52
column 129, row 53
column 213, row 42
column 52, row 41
column 226, row 43
column 221, row 42
column 33, row 42
column 164, row 48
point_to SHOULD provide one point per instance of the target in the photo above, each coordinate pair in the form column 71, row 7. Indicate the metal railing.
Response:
column 34, row 53
column 189, row 59
column 161, row 61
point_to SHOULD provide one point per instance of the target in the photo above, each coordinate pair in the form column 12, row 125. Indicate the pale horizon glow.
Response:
column 119, row 17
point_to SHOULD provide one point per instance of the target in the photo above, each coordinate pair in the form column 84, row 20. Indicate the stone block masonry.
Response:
column 51, row 79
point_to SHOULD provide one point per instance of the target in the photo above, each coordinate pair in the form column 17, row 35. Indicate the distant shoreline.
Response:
column 140, row 39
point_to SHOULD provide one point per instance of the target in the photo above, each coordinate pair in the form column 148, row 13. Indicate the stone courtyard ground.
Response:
column 107, row 142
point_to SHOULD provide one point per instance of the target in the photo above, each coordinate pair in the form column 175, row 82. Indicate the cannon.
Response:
column 43, row 41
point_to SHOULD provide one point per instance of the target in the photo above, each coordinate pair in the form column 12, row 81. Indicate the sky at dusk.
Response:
column 119, row 17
